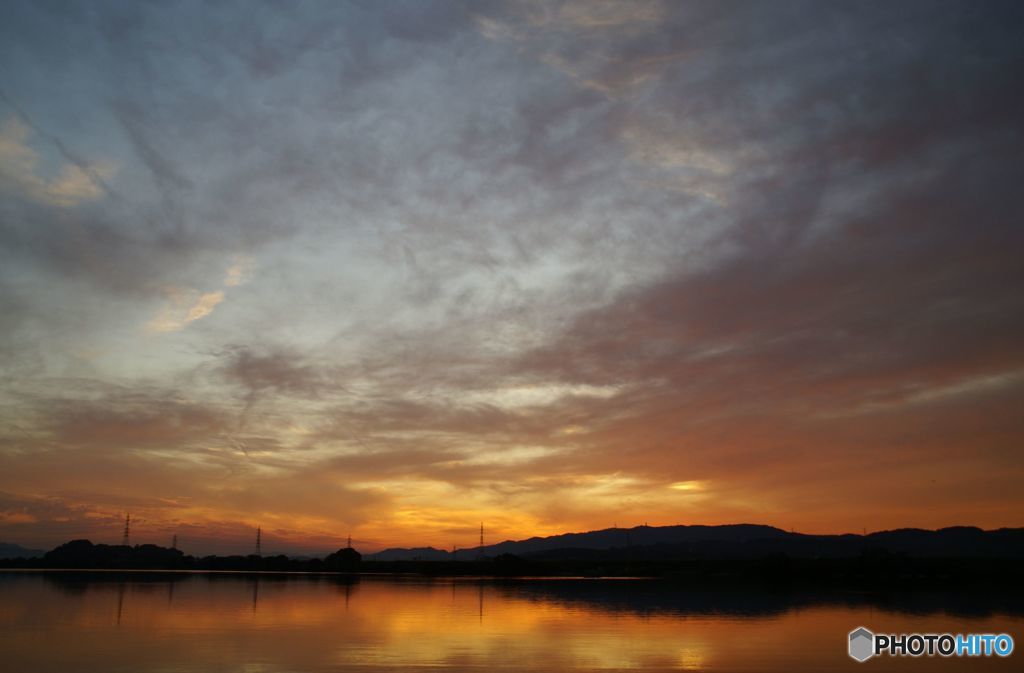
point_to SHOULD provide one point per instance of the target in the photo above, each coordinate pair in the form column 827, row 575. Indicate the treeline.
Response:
column 873, row 568
column 84, row 555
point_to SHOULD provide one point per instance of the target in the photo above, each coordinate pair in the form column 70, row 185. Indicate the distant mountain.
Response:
column 609, row 538
column 737, row 541
column 413, row 554
column 8, row 550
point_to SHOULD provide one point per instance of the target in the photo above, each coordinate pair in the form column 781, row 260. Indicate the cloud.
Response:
column 238, row 272
column 273, row 369
column 8, row 517
column 19, row 167
column 182, row 307
column 596, row 15
column 204, row 305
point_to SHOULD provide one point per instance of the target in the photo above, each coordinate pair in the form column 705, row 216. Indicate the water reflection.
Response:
column 199, row 622
column 656, row 597
column 120, row 601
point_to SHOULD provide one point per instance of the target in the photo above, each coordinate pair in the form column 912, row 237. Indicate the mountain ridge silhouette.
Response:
column 732, row 541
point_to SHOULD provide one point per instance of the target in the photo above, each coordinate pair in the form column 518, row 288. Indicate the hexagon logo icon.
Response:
column 862, row 644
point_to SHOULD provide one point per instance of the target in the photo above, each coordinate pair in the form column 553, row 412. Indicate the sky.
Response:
column 394, row 269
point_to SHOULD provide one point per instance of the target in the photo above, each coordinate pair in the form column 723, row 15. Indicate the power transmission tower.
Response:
column 127, row 529
column 349, row 545
column 259, row 551
column 174, row 541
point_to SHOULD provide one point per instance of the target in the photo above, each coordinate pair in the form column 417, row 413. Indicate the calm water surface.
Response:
column 143, row 622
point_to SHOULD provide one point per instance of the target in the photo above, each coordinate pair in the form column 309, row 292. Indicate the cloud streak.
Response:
column 19, row 163
column 183, row 307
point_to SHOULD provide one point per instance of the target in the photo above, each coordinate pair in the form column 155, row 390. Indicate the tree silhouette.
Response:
column 345, row 558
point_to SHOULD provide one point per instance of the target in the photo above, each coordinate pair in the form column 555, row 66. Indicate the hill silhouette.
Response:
column 737, row 541
column 12, row 551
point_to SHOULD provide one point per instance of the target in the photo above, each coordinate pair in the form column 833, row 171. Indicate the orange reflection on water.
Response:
column 272, row 623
